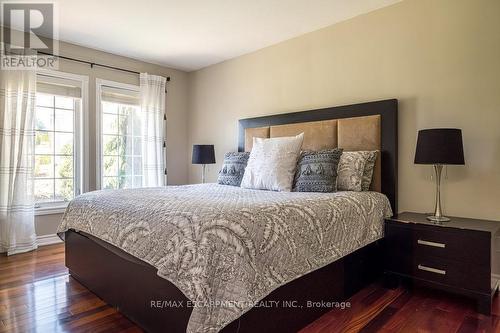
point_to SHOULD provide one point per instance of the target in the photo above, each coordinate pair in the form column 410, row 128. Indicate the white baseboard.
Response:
column 48, row 240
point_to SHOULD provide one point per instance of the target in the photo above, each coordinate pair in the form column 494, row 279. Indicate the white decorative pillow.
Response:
column 351, row 170
column 272, row 163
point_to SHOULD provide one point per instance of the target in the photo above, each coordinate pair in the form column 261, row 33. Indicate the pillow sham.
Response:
column 317, row 171
column 368, row 171
column 272, row 163
column 233, row 168
column 351, row 169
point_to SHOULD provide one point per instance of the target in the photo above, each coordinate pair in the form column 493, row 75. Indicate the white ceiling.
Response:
column 192, row 34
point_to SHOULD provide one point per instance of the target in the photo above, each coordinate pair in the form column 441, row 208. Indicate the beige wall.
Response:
column 440, row 58
column 176, row 112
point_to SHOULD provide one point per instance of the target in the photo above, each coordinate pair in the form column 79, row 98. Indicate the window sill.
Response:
column 51, row 209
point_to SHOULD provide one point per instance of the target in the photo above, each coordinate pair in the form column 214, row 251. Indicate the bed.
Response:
column 209, row 258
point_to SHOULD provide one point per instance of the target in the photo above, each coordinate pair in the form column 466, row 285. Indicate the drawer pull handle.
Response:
column 434, row 244
column 432, row 270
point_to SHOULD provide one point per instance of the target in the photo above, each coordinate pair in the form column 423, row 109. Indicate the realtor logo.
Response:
column 29, row 38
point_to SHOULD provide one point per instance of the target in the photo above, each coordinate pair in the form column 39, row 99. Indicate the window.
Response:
column 58, row 120
column 120, row 136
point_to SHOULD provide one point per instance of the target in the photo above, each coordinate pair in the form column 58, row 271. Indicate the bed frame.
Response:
column 133, row 287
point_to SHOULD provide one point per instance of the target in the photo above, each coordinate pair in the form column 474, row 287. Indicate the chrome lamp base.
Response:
column 203, row 171
column 438, row 219
column 438, row 215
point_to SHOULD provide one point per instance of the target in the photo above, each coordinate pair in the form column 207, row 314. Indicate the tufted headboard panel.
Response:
column 366, row 126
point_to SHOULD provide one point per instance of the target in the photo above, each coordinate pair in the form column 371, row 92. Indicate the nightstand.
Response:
column 454, row 256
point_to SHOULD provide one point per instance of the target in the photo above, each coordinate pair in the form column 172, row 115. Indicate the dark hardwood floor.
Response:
column 38, row 295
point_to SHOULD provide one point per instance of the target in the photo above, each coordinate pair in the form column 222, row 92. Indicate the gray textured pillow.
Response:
column 351, row 169
column 317, row 171
column 233, row 168
column 368, row 171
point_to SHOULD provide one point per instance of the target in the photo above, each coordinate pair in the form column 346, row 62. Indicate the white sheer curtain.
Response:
column 17, row 108
column 152, row 111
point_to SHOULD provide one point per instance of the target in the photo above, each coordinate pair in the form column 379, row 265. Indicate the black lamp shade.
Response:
column 439, row 146
column 203, row 154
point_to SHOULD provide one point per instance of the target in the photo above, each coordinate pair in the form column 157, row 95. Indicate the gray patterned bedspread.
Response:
column 226, row 247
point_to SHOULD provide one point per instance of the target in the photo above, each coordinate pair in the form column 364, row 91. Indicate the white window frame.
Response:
column 99, row 83
column 81, row 150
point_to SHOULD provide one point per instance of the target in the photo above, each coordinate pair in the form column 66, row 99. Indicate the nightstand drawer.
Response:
column 452, row 273
column 465, row 246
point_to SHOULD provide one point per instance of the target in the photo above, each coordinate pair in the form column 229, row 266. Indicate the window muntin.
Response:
column 121, row 142
column 55, row 148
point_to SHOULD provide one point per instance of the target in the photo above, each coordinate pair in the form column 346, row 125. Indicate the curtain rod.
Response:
column 92, row 64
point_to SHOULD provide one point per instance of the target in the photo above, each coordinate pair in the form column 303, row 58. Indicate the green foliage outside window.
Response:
column 116, row 149
column 66, row 171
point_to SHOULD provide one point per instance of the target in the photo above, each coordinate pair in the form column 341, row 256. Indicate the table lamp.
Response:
column 203, row 154
column 439, row 146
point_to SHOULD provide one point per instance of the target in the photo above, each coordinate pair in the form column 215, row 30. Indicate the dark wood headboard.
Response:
column 388, row 111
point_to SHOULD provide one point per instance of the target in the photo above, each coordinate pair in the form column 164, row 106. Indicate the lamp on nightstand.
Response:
column 439, row 146
column 203, row 154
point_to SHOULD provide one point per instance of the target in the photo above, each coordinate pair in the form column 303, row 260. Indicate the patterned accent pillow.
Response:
column 351, row 169
column 233, row 168
column 317, row 171
column 368, row 171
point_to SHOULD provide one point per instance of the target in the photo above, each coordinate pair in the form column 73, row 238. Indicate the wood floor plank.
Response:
column 37, row 294
column 386, row 314
column 364, row 307
column 42, row 295
column 51, row 310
